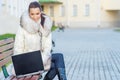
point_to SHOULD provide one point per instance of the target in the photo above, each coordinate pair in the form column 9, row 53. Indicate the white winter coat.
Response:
column 31, row 36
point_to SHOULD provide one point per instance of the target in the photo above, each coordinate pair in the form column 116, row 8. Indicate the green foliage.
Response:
column 118, row 30
column 7, row 35
column 54, row 28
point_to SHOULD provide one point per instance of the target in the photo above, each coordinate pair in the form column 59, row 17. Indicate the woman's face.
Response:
column 35, row 14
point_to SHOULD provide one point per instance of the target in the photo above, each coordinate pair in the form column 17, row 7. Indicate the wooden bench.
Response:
column 6, row 50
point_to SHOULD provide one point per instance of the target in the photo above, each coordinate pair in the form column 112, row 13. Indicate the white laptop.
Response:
column 28, row 63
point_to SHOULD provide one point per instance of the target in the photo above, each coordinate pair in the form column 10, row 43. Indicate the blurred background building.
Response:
column 83, row 13
column 14, row 7
column 70, row 13
column 10, row 12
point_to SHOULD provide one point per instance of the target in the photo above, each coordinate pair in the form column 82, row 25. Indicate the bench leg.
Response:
column 5, row 71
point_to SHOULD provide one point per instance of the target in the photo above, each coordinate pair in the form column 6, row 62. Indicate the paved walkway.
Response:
column 90, row 54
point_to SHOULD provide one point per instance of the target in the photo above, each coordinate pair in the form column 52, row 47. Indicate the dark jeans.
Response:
column 57, row 62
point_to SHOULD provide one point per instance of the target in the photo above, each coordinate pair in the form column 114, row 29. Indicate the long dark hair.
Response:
column 34, row 4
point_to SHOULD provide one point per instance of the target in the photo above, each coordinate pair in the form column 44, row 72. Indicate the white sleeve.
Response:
column 19, row 41
column 47, row 45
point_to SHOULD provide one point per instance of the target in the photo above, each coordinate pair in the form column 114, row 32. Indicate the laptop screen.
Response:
column 27, row 63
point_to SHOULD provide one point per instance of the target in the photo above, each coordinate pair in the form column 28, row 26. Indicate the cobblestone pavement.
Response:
column 90, row 54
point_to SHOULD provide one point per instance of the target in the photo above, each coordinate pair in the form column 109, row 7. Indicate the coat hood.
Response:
column 28, row 24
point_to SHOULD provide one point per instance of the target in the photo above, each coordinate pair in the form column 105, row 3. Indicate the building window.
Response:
column 87, row 10
column 51, row 11
column 75, row 10
column 62, row 10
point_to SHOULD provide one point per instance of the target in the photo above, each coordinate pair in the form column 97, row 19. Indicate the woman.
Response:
column 35, row 34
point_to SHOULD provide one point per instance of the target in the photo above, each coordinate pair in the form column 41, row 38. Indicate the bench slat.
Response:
column 14, row 78
column 6, row 47
column 21, row 79
column 5, row 61
column 34, row 77
column 6, row 54
column 5, row 41
column 27, row 77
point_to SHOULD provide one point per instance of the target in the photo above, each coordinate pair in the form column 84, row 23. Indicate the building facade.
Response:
column 71, row 13
column 14, row 7
column 10, row 12
column 83, row 13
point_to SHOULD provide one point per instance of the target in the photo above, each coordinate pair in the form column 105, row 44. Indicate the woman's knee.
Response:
column 58, row 54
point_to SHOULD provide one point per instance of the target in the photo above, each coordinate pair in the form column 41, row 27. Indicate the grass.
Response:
column 0, row 69
column 54, row 28
column 7, row 35
column 118, row 30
